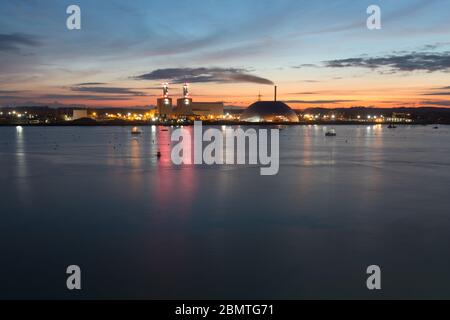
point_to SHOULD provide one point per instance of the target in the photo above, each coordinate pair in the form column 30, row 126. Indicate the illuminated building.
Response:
column 184, row 105
column 269, row 111
column 186, row 108
column 207, row 109
column 399, row 117
column 164, row 104
column 79, row 114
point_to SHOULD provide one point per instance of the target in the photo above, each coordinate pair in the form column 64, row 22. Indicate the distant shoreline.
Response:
column 213, row 123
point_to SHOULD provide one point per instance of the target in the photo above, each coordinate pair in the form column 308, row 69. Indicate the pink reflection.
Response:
column 163, row 146
column 177, row 184
column 135, row 153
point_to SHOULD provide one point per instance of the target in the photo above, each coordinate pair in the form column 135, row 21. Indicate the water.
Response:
column 140, row 227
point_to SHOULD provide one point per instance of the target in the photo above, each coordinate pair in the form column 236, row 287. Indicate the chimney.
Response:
column 275, row 96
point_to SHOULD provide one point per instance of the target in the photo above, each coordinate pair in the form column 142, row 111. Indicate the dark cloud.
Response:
column 435, row 46
column 90, row 84
column 13, row 42
column 413, row 61
column 10, row 94
column 439, row 93
column 318, row 101
column 8, row 97
column 83, row 97
column 154, row 88
column 305, row 65
column 2, row 92
column 442, row 103
column 204, row 75
column 108, row 90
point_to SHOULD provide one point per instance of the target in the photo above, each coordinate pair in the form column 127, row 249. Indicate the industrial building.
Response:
column 186, row 107
column 79, row 114
column 399, row 118
column 269, row 111
column 207, row 109
column 164, row 104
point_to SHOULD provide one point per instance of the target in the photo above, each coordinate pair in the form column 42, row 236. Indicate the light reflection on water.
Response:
column 142, row 227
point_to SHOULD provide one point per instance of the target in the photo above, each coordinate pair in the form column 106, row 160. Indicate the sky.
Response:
column 319, row 53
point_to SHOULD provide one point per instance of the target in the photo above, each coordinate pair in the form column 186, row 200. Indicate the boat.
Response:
column 330, row 133
column 392, row 126
column 436, row 127
column 135, row 130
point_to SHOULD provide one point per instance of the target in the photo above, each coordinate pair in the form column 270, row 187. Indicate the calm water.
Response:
column 140, row 227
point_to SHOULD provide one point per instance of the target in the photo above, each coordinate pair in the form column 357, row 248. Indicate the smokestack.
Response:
column 186, row 90
column 165, row 90
column 275, row 96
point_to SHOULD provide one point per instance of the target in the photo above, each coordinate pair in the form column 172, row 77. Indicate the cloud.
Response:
column 180, row 45
column 414, row 61
column 108, row 90
column 435, row 46
column 90, row 83
column 442, row 103
column 439, row 93
column 305, row 65
column 10, row 92
column 83, row 97
column 402, row 12
column 252, row 49
column 13, row 42
column 7, row 97
column 318, row 101
column 204, row 75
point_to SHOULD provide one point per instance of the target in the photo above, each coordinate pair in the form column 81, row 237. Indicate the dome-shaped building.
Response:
column 269, row 111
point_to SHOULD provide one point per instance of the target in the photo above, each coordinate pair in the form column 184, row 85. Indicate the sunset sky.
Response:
column 319, row 53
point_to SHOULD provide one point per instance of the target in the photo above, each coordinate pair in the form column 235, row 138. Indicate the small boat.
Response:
column 330, row 133
column 392, row 126
column 135, row 130
column 436, row 127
